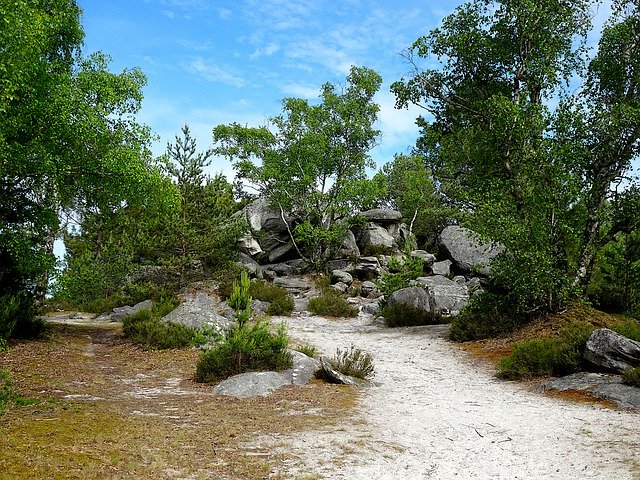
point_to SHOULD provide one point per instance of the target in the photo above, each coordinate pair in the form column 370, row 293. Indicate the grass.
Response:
column 309, row 350
column 399, row 315
column 353, row 362
column 280, row 301
column 331, row 304
column 631, row 377
column 150, row 333
column 141, row 428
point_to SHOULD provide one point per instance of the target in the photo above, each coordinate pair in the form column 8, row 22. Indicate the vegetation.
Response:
column 399, row 315
column 8, row 396
column 312, row 166
column 353, row 362
column 309, row 350
column 331, row 304
column 280, row 301
column 246, row 348
column 632, row 377
column 240, row 299
column 400, row 273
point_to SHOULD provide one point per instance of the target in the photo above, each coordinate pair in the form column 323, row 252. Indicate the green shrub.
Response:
column 150, row 333
column 309, row 350
column 331, row 304
column 280, row 300
column 407, row 316
column 18, row 318
column 547, row 356
column 629, row 328
column 226, row 278
column 246, row 348
column 353, row 362
column 240, row 299
column 400, row 274
column 631, row 377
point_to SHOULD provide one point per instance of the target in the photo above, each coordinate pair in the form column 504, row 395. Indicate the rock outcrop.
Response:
column 198, row 311
column 467, row 252
column 448, row 296
column 611, row 351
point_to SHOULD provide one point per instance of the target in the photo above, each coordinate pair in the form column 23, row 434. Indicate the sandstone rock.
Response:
column 467, row 252
column 368, row 289
column 367, row 265
column 250, row 265
column 382, row 215
column 293, row 285
column 118, row 313
column 197, row 312
column 334, row 376
column 341, row 276
column 428, row 258
column 374, row 236
column 448, row 297
column 349, row 247
column 371, row 308
column 442, row 268
column 340, row 287
column 612, row 352
column 414, row 297
column 304, row 368
column 250, row 246
column 252, row 384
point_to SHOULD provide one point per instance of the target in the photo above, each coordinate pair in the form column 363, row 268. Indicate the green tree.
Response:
column 313, row 164
column 524, row 174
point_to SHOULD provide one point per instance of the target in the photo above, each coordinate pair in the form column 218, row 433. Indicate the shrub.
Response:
column 226, row 278
column 246, row 348
column 146, row 330
column 280, row 300
column 331, row 304
column 631, row 377
column 629, row 328
column 547, row 356
column 240, row 299
column 400, row 274
column 18, row 318
column 309, row 350
column 353, row 362
column 399, row 315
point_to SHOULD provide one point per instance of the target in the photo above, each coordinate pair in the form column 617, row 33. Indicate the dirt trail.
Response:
column 439, row 413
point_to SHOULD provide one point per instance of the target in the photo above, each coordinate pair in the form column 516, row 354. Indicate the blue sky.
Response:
column 220, row 61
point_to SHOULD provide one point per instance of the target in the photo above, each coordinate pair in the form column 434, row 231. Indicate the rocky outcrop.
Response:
column 199, row 311
column 467, row 252
column 252, row 384
column 382, row 216
column 448, row 296
column 373, row 238
column 414, row 297
column 612, row 352
column 118, row 313
column 334, row 376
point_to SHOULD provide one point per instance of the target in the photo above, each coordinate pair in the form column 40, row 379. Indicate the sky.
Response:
column 211, row 62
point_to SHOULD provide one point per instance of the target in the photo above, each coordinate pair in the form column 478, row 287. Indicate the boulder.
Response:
column 340, row 287
column 341, row 276
column 428, row 258
column 252, row 384
column 611, row 351
column 118, row 313
column 368, row 289
column 375, row 237
column 348, row 247
column 250, row 246
column 304, row 368
column 334, row 376
column 371, row 308
column 415, row 297
column 448, row 296
column 198, row 311
column 367, row 266
column 467, row 252
column 382, row 216
column 442, row 268
column 248, row 263
column 293, row 285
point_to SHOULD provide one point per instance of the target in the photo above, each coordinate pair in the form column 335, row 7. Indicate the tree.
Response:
column 526, row 174
column 313, row 164
column 68, row 138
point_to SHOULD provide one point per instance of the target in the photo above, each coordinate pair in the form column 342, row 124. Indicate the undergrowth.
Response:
column 331, row 304
column 279, row 299
column 353, row 362
column 400, row 315
column 631, row 377
column 7, row 395
column 400, row 274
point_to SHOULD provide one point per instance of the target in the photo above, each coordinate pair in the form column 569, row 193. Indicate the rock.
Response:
column 460, row 280
column 340, row 287
column 428, row 258
column 199, row 311
column 382, row 215
column 597, row 385
column 250, row 246
column 249, row 264
column 367, row 265
column 252, row 384
column 368, row 288
column 293, row 285
column 334, row 376
column 304, row 368
column 474, row 284
column 374, row 237
column 341, row 264
column 371, row 308
column 612, row 352
column 448, row 297
column 349, row 247
column 402, row 235
column 442, row 268
column 341, row 276
column 467, row 252
column 260, row 307
column 118, row 313
column 280, row 269
column 415, row 297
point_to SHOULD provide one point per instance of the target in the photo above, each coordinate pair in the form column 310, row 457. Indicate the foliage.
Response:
column 313, row 165
column 399, row 315
column 331, row 304
column 631, row 377
column 309, row 350
column 146, row 330
column 240, row 299
column 246, row 348
column 279, row 299
column 16, row 317
column 226, row 277
column 629, row 328
column 400, row 273
column 547, row 356
column 523, row 172
column 353, row 362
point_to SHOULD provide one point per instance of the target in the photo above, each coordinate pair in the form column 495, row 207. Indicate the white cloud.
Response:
column 225, row 13
column 169, row 14
column 212, row 72
column 301, row 91
column 266, row 51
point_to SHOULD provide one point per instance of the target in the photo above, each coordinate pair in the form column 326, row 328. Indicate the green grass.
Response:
column 331, row 304
column 399, row 315
column 280, row 301
column 7, row 395
column 353, row 362
column 631, row 377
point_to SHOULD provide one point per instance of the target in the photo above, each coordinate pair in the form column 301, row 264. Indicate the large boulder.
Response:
column 119, row 313
column 341, row 276
column 198, row 311
column 382, row 216
column 252, row 384
column 611, row 351
column 467, row 252
column 293, row 285
column 414, row 297
column 448, row 296
column 374, row 237
column 304, row 368
column 334, row 376
column 365, row 266
column 348, row 247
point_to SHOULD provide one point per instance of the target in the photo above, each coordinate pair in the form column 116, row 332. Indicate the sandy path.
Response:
column 440, row 414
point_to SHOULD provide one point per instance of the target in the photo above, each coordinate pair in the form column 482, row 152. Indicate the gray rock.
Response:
column 334, row 376
column 448, row 296
column 367, row 265
column 250, row 246
column 371, row 308
column 382, row 215
column 373, row 236
column 428, row 258
column 280, row 269
column 414, row 297
column 466, row 250
column 199, row 311
column 612, row 352
column 252, row 384
column 304, row 368
column 340, row 287
column 474, row 284
column 349, row 247
column 442, row 268
column 597, row 385
column 460, row 280
column 293, row 285
column 341, row 276
column 248, row 263
column 118, row 313
column 341, row 264
column 402, row 235
column 259, row 306
column 368, row 288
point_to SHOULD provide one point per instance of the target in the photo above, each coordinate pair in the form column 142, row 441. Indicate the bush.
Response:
column 18, row 318
column 631, row 377
column 146, row 330
column 353, row 362
column 226, row 278
column 547, row 356
column 407, row 316
column 309, row 350
column 246, row 348
column 400, row 274
column 331, row 304
column 280, row 300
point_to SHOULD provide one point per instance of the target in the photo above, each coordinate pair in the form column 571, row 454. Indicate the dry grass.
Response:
column 110, row 410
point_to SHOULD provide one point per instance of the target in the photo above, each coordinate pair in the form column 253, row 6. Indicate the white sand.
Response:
column 441, row 414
